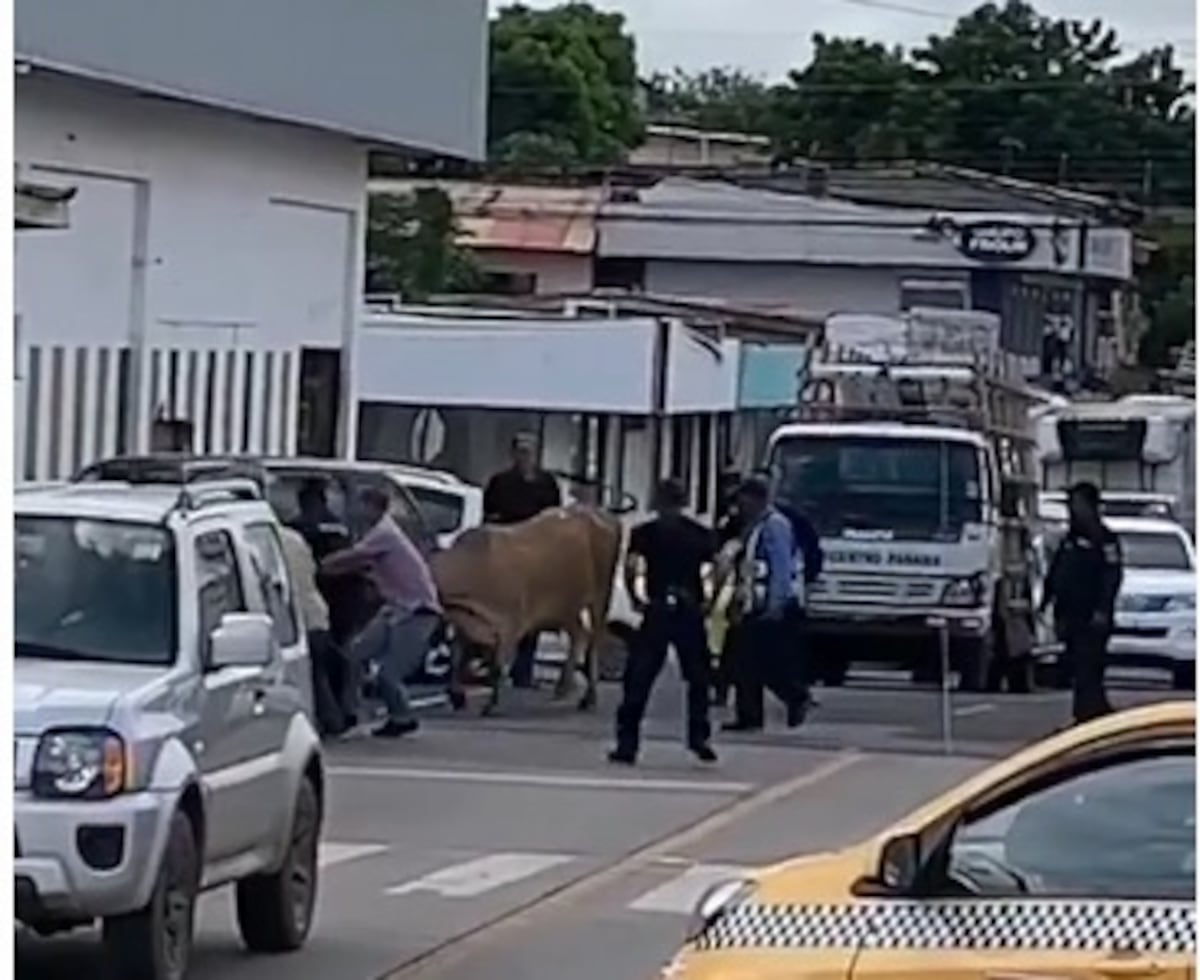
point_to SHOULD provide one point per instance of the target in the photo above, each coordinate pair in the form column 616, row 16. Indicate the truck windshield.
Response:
column 94, row 590
column 914, row 488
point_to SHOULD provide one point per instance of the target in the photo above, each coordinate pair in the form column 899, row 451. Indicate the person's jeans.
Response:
column 768, row 657
column 331, row 718
column 397, row 642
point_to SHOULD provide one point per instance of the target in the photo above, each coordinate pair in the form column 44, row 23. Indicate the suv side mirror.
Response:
column 242, row 640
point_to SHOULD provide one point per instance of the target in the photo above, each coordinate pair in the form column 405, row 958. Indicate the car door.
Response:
column 1085, row 874
column 276, row 690
column 282, row 603
column 227, row 746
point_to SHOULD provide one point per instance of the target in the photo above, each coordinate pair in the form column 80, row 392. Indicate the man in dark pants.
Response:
column 674, row 548
column 1082, row 585
column 513, row 495
column 768, row 632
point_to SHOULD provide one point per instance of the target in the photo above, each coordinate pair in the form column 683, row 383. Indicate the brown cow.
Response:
column 551, row 572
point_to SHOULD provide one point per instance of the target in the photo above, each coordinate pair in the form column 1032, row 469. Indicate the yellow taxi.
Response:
column 1075, row 858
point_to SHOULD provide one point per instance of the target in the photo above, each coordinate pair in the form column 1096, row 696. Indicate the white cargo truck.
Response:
column 911, row 454
column 1140, row 446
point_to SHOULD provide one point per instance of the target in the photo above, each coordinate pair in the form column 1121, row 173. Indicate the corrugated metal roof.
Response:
column 517, row 217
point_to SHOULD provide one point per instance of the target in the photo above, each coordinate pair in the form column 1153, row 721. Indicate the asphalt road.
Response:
column 507, row 848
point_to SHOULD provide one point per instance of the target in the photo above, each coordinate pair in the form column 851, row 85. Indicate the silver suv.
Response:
column 164, row 739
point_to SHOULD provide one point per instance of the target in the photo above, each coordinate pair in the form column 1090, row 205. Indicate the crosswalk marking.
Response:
column 330, row 853
column 488, row 872
column 680, row 895
column 473, row 878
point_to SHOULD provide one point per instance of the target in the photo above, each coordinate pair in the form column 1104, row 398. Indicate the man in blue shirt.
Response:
column 768, row 655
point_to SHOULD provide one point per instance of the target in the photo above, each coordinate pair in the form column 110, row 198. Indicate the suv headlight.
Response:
column 1184, row 602
column 965, row 592
column 715, row 902
column 80, row 763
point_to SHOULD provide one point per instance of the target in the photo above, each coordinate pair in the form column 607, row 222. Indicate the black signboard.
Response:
column 1107, row 440
column 996, row 241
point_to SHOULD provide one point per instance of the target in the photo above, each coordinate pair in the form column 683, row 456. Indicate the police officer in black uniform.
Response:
column 1082, row 585
column 674, row 548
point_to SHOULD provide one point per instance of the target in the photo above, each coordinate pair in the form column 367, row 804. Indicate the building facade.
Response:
column 1058, row 267
column 211, row 270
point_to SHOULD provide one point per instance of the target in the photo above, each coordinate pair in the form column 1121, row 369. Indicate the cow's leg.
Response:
column 498, row 671
column 590, row 664
column 576, row 649
column 455, row 689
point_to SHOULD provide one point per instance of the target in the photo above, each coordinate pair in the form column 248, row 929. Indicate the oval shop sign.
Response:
column 996, row 241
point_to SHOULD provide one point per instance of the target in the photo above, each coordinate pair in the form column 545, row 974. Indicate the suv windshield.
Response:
column 94, row 590
column 1146, row 549
column 917, row 488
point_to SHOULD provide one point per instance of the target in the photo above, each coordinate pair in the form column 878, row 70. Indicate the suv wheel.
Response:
column 155, row 943
column 275, row 911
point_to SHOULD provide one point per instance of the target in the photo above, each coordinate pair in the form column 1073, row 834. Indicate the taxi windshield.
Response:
column 94, row 590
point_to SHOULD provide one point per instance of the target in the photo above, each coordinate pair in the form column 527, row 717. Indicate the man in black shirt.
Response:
column 1082, row 585
column 673, row 548
column 511, row 496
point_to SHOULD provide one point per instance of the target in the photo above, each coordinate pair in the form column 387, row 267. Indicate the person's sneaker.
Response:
column 396, row 729
column 619, row 757
column 704, row 753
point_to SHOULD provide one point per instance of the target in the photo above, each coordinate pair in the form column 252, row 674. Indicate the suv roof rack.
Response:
column 168, row 468
column 204, row 493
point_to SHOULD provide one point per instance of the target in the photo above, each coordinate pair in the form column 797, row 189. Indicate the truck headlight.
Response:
column 715, row 902
column 1184, row 602
column 80, row 763
column 964, row 592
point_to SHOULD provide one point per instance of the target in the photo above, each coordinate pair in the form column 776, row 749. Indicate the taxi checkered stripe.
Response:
column 1152, row 927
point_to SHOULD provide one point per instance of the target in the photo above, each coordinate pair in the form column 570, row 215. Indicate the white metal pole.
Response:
column 943, row 631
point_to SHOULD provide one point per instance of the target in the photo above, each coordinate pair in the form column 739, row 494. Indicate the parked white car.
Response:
column 449, row 505
column 1155, row 623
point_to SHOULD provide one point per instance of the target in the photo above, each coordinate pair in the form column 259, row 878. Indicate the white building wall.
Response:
column 191, row 231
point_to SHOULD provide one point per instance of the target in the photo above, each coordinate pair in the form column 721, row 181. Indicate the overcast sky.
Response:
column 767, row 37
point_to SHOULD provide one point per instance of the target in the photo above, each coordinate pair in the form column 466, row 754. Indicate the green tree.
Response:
column 856, row 100
column 726, row 99
column 1050, row 99
column 411, row 246
column 563, row 81
column 1168, row 291
column 1007, row 90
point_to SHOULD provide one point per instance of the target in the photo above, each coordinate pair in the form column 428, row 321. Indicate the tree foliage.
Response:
column 1008, row 90
column 727, row 99
column 563, row 82
column 411, row 247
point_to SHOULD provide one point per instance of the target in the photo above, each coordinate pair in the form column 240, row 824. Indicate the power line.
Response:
column 917, row 81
